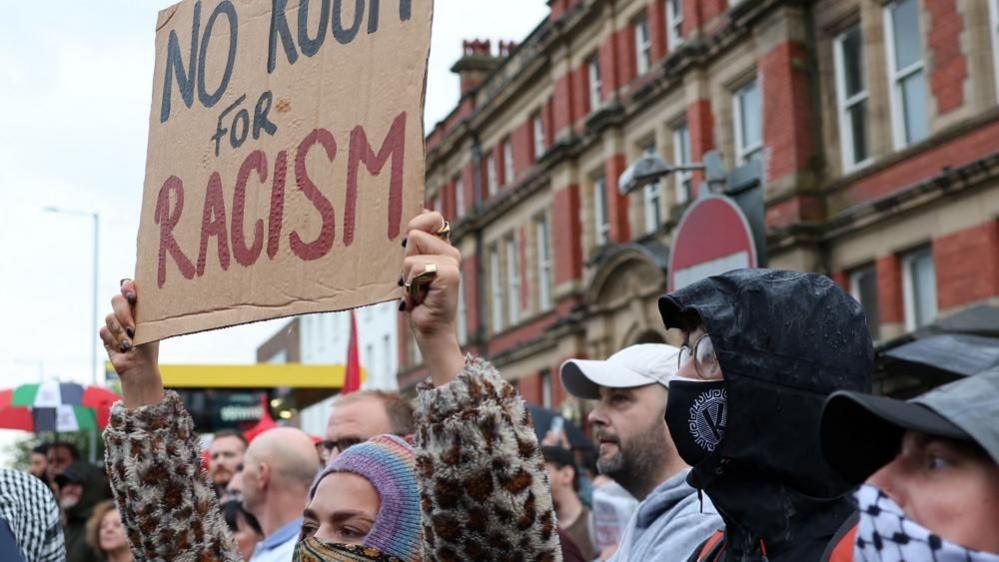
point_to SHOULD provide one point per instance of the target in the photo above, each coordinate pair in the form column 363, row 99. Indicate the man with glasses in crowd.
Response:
column 359, row 416
column 355, row 418
column 762, row 351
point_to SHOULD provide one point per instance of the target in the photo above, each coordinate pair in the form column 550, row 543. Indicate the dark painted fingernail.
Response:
column 401, row 282
column 402, row 306
column 130, row 332
column 125, row 346
column 130, row 296
column 404, row 240
column 122, row 282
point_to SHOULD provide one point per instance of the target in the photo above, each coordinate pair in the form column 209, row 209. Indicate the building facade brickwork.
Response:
column 877, row 123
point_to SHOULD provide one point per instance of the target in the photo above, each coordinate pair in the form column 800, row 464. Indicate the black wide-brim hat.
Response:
column 861, row 432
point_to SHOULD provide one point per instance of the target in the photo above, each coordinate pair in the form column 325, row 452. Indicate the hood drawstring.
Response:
column 763, row 549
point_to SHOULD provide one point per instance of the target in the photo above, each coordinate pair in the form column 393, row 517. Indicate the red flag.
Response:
column 352, row 378
column 266, row 421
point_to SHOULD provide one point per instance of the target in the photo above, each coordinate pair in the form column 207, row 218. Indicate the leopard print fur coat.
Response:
column 483, row 486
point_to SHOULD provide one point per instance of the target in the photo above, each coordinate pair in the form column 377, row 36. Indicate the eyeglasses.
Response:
column 705, row 361
column 325, row 448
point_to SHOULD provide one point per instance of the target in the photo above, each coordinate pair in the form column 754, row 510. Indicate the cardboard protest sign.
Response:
column 285, row 159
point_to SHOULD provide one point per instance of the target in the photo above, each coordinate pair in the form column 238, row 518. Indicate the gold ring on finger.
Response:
column 444, row 232
column 422, row 280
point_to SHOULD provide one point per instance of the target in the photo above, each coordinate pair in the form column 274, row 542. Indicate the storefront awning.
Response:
column 288, row 375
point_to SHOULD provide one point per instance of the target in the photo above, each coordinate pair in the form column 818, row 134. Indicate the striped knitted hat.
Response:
column 388, row 462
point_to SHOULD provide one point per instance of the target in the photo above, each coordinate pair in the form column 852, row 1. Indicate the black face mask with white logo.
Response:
column 696, row 413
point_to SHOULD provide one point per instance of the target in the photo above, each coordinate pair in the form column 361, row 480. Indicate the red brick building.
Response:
column 877, row 122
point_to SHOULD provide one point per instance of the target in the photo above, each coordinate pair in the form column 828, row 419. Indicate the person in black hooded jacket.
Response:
column 81, row 487
column 763, row 349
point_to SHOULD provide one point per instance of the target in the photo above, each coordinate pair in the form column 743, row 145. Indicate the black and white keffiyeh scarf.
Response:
column 885, row 534
column 31, row 511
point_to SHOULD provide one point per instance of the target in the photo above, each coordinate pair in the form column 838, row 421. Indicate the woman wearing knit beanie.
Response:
column 477, row 489
column 364, row 506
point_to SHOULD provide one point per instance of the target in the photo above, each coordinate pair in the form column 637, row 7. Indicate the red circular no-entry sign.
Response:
column 713, row 237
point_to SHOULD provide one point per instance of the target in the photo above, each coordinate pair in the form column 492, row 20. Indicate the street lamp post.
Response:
column 650, row 167
column 743, row 185
column 93, row 323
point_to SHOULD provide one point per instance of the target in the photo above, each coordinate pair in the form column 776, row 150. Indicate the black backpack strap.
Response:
column 709, row 549
column 844, row 528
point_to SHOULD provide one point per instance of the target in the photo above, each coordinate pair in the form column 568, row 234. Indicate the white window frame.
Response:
column 459, row 195
column 596, row 82
column 369, row 361
column 674, row 23
column 462, row 316
column 601, row 219
column 994, row 36
column 896, row 76
column 309, row 330
column 542, row 235
column 643, row 45
column 436, row 202
column 652, row 196
column 508, row 172
column 547, row 389
column 743, row 154
column 845, row 104
column 496, row 290
column 854, row 282
column 324, row 322
column 512, row 278
column 492, row 182
column 909, row 289
column 538, row 128
column 681, row 155
column 389, row 367
column 854, row 279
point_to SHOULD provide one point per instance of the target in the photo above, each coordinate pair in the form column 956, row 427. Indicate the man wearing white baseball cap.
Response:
column 635, row 449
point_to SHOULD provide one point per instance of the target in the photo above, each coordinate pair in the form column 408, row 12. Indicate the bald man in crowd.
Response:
column 278, row 469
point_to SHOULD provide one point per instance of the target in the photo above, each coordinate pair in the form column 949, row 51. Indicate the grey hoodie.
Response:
column 668, row 525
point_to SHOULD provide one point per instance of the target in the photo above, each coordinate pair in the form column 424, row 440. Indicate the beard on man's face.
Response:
column 634, row 459
column 221, row 476
column 69, row 496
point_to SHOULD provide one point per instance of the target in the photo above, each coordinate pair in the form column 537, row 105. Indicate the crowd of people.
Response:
column 60, row 510
column 757, row 439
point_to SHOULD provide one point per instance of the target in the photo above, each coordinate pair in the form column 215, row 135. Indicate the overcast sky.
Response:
column 75, row 88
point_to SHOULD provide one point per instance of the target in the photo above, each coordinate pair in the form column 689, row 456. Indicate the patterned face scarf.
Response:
column 697, row 415
column 315, row 550
column 887, row 535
